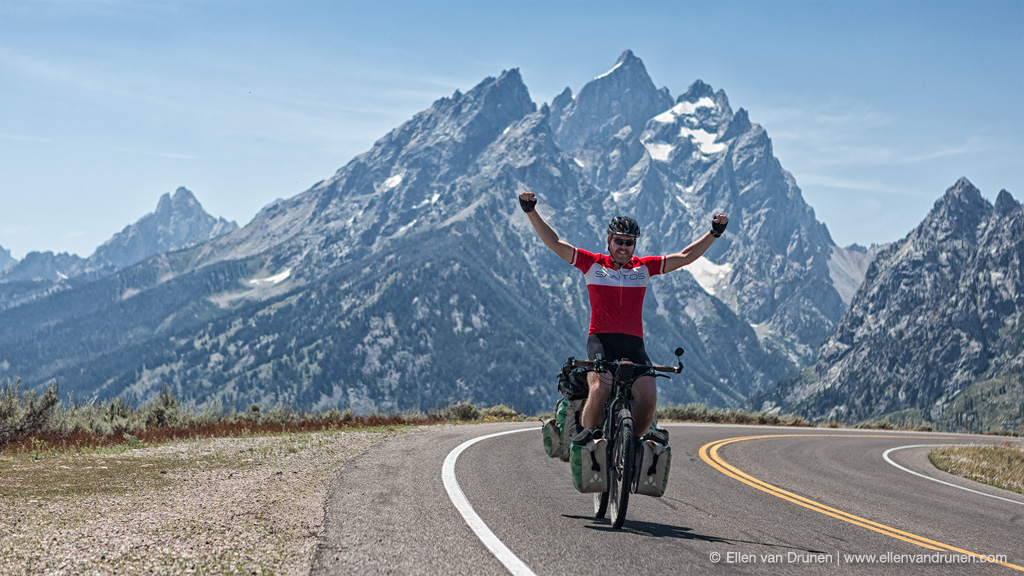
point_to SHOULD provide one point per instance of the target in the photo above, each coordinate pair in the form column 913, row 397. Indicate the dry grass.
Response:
column 711, row 415
column 999, row 466
column 85, row 441
column 39, row 424
column 251, row 505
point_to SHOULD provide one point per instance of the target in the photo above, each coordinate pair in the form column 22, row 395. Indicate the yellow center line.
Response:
column 709, row 453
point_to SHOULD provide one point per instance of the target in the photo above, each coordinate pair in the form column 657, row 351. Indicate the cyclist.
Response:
column 616, row 283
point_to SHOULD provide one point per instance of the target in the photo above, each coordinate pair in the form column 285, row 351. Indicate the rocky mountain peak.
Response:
column 1005, row 203
column 627, row 57
column 963, row 193
column 956, row 215
column 623, row 96
column 699, row 89
column 179, row 221
column 182, row 202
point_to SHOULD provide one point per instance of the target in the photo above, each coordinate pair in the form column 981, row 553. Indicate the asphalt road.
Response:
column 770, row 501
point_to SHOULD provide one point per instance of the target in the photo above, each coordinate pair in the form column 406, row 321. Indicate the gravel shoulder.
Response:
column 226, row 506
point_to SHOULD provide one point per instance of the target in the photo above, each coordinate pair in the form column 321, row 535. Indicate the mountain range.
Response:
column 410, row 278
column 179, row 221
column 935, row 334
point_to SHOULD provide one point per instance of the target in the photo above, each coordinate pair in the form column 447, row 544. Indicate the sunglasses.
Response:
column 621, row 242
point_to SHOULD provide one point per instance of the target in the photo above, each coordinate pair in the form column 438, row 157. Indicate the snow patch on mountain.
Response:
column 684, row 109
column 705, row 140
column 272, row 280
column 709, row 275
column 659, row 150
column 614, row 68
column 621, row 195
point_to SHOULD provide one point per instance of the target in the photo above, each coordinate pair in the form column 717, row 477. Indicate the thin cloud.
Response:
column 22, row 138
column 157, row 153
column 828, row 181
column 841, row 133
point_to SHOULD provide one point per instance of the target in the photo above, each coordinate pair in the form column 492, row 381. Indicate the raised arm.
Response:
column 528, row 200
column 690, row 254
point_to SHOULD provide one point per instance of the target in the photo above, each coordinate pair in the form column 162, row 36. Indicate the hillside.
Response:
column 410, row 279
column 934, row 333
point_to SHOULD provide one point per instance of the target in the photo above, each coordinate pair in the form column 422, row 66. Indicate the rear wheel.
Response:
column 620, row 477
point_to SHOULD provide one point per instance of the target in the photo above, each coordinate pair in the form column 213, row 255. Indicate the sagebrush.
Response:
column 30, row 420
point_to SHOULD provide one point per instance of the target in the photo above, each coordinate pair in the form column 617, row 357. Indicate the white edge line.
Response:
column 885, row 455
column 458, row 498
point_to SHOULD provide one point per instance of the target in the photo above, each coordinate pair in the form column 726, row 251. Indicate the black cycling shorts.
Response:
column 615, row 346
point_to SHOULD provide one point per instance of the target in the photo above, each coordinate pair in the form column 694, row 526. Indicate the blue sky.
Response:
column 875, row 107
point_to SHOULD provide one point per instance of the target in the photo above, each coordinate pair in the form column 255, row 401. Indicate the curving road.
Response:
column 741, row 500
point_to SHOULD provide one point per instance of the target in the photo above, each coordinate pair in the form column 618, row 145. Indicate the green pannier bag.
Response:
column 655, row 463
column 589, row 465
column 553, row 431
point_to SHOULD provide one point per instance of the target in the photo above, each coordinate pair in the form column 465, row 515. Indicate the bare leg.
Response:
column 645, row 402
column 593, row 409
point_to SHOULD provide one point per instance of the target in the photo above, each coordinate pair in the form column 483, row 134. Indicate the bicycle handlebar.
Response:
column 609, row 365
column 601, row 365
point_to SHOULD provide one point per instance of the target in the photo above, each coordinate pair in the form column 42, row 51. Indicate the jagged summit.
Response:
column 182, row 200
column 179, row 221
column 962, row 191
column 1005, row 203
column 956, row 214
column 699, row 89
column 624, row 96
column 627, row 64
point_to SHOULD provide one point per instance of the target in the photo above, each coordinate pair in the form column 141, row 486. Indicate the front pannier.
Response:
column 655, row 463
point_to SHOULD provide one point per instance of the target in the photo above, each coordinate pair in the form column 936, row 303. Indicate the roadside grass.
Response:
column 1000, row 466
column 711, row 415
column 40, row 425
column 704, row 414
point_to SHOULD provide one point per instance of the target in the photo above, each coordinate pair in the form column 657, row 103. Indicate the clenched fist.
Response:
column 718, row 224
column 528, row 200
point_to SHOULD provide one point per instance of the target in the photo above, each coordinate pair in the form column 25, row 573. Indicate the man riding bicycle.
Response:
column 616, row 284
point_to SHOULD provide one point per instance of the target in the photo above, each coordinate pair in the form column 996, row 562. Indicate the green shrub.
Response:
column 118, row 414
column 711, row 415
column 279, row 414
column 500, row 412
column 461, row 412
column 164, row 412
column 25, row 413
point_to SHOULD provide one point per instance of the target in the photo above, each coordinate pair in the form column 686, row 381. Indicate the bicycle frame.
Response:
column 618, row 416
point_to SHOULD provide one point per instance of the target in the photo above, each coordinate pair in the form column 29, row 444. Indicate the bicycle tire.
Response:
column 620, row 477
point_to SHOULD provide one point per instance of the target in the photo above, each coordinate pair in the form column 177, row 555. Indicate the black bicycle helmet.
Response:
column 625, row 226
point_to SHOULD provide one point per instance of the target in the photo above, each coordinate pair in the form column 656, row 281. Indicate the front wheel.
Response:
column 620, row 477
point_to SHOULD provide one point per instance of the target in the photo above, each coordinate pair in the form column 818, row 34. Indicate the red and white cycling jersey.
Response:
column 617, row 296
